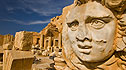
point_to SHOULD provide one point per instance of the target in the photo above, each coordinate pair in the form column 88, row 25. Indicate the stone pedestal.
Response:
column 17, row 60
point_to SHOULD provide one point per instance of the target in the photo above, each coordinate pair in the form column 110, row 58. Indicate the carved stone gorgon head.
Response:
column 92, row 33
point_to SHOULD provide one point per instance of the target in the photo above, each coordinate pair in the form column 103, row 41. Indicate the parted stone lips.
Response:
column 86, row 49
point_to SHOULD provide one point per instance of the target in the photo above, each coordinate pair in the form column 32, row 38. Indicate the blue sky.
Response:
column 28, row 15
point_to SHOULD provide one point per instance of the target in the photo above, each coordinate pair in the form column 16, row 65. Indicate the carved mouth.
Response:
column 86, row 49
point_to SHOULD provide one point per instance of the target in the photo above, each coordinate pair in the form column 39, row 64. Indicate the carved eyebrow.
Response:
column 106, row 19
column 72, row 23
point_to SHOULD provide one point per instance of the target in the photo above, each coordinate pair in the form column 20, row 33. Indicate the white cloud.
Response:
column 45, row 7
column 39, row 22
column 26, row 23
column 13, row 20
column 42, row 7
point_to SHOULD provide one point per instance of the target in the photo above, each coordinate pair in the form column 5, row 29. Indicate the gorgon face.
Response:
column 91, row 30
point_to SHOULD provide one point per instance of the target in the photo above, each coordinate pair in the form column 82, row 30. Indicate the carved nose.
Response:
column 84, row 38
column 83, row 34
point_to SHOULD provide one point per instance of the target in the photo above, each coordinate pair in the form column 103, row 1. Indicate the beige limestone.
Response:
column 49, row 44
column 1, row 57
column 8, row 38
column 91, row 43
column 1, row 66
column 46, row 43
column 45, row 53
column 1, row 40
column 43, row 64
column 42, row 41
column 93, row 36
column 17, row 60
column 36, row 38
column 8, row 46
column 60, row 40
column 23, row 40
column 55, row 43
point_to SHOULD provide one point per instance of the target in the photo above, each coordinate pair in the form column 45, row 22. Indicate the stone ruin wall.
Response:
column 1, row 40
column 26, row 45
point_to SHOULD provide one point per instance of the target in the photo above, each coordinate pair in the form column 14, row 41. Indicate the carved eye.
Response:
column 74, row 25
column 97, row 24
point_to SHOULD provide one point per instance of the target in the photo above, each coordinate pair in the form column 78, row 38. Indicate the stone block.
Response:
column 7, row 38
column 8, row 46
column 23, row 40
column 17, row 60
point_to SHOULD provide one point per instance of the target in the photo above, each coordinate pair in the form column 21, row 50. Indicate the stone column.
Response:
column 60, row 40
column 45, row 45
column 11, row 38
column 49, row 43
column 42, row 41
column 54, row 44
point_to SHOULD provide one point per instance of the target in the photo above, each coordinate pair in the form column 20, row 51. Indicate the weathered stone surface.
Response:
column 45, row 53
column 8, row 46
column 1, row 54
column 57, row 59
column 23, row 40
column 17, row 60
column 1, row 66
column 43, row 64
column 36, row 38
column 42, row 41
column 1, row 40
column 8, row 38
column 93, row 33
column 91, row 43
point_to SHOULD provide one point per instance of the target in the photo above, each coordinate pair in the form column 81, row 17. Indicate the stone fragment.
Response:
column 39, row 52
column 43, row 64
column 33, row 51
column 7, row 38
column 17, row 60
column 8, row 46
column 60, row 64
column 57, row 59
column 45, row 53
column 23, row 40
